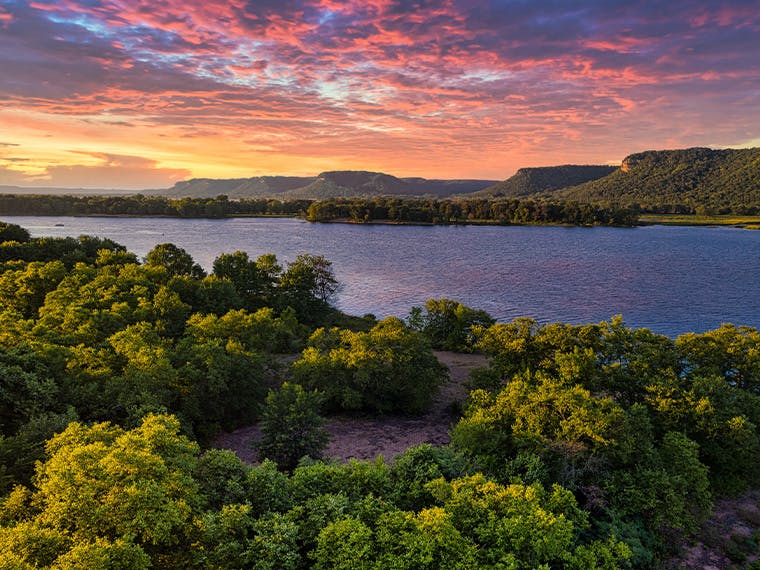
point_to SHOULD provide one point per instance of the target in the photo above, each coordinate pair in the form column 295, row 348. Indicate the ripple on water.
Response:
column 669, row 279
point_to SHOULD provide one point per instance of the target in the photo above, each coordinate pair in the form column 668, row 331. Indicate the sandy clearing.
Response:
column 368, row 437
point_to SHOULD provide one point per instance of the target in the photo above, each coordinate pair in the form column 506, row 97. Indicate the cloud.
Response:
column 420, row 80
column 12, row 177
column 109, row 171
column 113, row 171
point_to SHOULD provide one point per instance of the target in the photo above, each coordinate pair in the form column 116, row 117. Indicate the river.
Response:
column 669, row 279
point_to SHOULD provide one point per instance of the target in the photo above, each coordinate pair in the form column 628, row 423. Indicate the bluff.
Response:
column 331, row 184
column 699, row 180
column 256, row 187
column 359, row 183
column 544, row 180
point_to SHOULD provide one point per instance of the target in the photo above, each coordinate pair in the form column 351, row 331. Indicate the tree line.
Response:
column 464, row 211
column 403, row 210
column 140, row 205
column 580, row 447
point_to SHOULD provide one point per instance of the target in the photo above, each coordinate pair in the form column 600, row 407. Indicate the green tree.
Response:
column 13, row 232
column 308, row 284
column 254, row 281
column 27, row 387
column 345, row 544
column 448, row 324
column 353, row 480
column 208, row 295
column 234, row 538
column 391, row 368
column 566, row 425
column 175, row 259
column 730, row 352
column 522, row 526
column 291, row 426
column 104, row 555
column 261, row 330
column 221, row 379
column 413, row 470
column 108, row 494
column 20, row 452
column 222, row 478
column 24, row 289
column 90, row 304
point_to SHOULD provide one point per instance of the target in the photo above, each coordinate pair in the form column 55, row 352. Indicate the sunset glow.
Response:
column 142, row 93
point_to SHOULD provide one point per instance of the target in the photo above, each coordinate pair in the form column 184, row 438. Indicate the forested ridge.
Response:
column 694, row 180
column 591, row 446
column 326, row 185
column 700, row 181
column 687, row 181
column 545, row 179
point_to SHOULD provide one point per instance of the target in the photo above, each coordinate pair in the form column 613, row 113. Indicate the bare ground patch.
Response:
column 368, row 437
column 728, row 539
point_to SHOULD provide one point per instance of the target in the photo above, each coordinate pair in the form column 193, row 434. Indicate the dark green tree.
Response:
column 308, row 285
column 254, row 281
column 448, row 324
column 12, row 232
column 291, row 426
column 175, row 259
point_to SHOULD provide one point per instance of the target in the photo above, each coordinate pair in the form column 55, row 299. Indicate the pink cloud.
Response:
column 386, row 81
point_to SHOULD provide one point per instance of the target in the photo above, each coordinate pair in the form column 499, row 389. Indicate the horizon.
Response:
column 190, row 179
column 120, row 96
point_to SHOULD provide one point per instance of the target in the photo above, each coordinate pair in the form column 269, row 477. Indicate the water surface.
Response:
column 669, row 279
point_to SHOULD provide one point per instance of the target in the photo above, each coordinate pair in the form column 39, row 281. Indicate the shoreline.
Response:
column 725, row 220
column 742, row 222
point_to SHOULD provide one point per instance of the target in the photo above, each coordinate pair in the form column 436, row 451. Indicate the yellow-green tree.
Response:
column 106, row 493
column 391, row 368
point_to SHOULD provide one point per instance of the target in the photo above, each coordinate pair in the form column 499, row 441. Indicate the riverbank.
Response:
column 452, row 223
column 350, row 221
column 746, row 222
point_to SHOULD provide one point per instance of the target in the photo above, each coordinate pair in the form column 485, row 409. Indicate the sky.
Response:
column 143, row 93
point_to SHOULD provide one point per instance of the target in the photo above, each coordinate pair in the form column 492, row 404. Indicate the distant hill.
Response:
column 544, row 180
column 350, row 183
column 700, row 180
column 358, row 183
column 258, row 187
column 333, row 184
column 714, row 181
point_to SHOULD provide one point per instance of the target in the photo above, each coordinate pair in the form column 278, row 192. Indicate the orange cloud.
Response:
column 105, row 171
column 459, row 88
